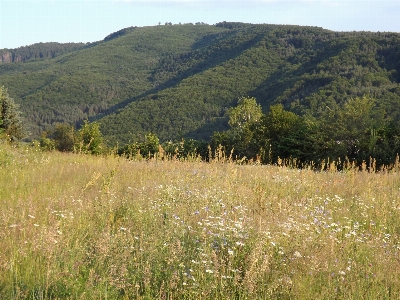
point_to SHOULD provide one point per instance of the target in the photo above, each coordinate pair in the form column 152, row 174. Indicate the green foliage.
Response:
column 118, row 33
column 245, row 114
column 244, row 119
column 152, row 148
column 280, row 132
column 89, row 139
column 279, row 122
column 147, row 148
column 38, row 51
column 177, row 81
column 354, row 127
column 358, row 132
column 186, row 149
column 10, row 116
column 64, row 137
column 46, row 143
column 151, row 144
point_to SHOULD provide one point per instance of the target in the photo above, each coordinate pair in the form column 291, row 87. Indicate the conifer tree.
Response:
column 10, row 116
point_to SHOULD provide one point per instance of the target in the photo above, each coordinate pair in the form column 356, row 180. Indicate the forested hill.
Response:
column 178, row 80
column 37, row 51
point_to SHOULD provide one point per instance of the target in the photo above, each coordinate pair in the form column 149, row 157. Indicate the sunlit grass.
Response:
column 86, row 227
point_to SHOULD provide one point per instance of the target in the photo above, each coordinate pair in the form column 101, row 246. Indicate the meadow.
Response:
column 104, row 227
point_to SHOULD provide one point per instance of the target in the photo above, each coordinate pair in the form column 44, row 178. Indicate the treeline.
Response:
column 88, row 139
column 65, row 138
column 359, row 132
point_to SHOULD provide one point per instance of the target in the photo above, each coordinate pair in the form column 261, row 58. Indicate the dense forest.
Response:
column 37, row 51
column 179, row 81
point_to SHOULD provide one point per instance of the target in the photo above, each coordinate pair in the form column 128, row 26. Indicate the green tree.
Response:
column 354, row 129
column 64, row 137
column 246, row 113
column 185, row 149
column 150, row 145
column 89, row 139
column 10, row 116
column 279, row 133
column 387, row 146
column 147, row 148
column 243, row 120
column 46, row 143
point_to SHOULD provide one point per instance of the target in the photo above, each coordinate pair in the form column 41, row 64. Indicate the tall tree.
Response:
column 243, row 120
column 246, row 113
column 279, row 132
column 10, row 116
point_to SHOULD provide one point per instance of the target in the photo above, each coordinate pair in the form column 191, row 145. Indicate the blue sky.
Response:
column 25, row 22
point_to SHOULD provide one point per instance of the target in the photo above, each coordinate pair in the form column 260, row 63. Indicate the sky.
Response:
column 25, row 22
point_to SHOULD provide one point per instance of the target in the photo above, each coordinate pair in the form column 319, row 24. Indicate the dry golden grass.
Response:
column 87, row 227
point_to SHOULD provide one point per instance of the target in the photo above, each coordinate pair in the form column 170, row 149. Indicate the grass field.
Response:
column 86, row 227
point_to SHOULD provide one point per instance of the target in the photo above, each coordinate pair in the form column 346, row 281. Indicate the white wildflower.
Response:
column 238, row 225
column 297, row 254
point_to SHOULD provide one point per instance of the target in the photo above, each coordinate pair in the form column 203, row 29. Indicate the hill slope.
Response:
column 177, row 81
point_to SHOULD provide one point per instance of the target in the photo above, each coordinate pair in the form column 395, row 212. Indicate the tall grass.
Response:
column 86, row 227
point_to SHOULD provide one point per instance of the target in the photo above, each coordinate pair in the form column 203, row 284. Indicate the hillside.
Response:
column 177, row 81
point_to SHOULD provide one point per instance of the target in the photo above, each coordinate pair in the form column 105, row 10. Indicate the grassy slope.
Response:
column 90, row 227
